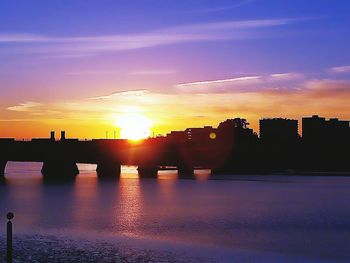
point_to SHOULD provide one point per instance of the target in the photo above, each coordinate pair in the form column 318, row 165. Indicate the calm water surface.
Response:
column 261, row 217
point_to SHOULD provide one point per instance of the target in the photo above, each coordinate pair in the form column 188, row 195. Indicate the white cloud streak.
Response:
column 219, row 81
column 25, row 107
column 241, row 84
column 339, row 70
column 92, row 45
column 286, row 76
column 121, row 93
column 152, row 72
column 223, row 8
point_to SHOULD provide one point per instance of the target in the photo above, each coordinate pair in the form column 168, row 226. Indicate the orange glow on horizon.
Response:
column 118, row 117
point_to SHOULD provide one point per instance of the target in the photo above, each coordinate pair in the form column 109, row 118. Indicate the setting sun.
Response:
column 134, row 126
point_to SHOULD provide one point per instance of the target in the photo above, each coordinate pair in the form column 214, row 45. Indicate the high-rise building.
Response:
column 319, row 129
column 278, row 130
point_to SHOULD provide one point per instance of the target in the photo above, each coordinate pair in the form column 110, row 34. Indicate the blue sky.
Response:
column 59, row 53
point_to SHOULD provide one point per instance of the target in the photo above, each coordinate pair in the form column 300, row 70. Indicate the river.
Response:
column 229, row 219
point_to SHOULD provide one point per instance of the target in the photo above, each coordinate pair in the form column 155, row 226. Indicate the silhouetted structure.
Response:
column 9, row 248
column 177, row 136
column 278, row 130
column 317, row 129
column 279, row 142
column 206, row 133
column 232, row 147
column 52, row 135
column 201, row 134
column 190, row 148
column 63, row 135
column 237, row 147
column 325, row 144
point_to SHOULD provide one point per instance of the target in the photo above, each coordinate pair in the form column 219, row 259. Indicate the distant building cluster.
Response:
column 53, row 137
column 232, row 147
column 276, row 130
column 317, row 128
column 209, row 133
column 323, row 145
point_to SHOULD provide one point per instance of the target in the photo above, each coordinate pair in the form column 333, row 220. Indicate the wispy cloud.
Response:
column 26, row 38
column 223, row 8
column 275, row 81
column 219, row 81
column 91, row 72
column 121, row 93
column 238, row 24
column 92, row 45
column 286, row 76
column 339, row 70
column 326, row 97
column 19, row 120
column 25, row 107
column 152, row 72
column 328, row 88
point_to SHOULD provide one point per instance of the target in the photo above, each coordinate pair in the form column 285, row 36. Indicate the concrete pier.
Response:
column 185, row 171
column 148, row 171
column 2, row 168
column 109, row 169
column 59, row 169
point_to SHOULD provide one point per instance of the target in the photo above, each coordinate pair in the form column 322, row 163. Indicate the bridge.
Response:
column 60, row 157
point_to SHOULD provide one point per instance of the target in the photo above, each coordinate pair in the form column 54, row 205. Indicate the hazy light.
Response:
column 134, row 126
column 212, row 135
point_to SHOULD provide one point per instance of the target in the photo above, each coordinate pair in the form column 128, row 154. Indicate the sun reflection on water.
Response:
column 129, row 206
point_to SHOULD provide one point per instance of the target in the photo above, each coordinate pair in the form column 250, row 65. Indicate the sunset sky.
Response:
column 82, row 66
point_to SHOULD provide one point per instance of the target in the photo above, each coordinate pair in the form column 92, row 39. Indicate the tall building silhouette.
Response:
column 279, row 142
column 325, row 144
column 319, row 129
column 278, row 130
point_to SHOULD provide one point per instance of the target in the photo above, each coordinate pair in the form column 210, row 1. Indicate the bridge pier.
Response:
column 225, row 170
column 2, row 169
column 148, row 171
column 185, row 171
column 59, row 169
column 108, row 170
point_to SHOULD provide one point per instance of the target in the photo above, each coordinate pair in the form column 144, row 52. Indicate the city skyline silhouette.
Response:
column 231, row 148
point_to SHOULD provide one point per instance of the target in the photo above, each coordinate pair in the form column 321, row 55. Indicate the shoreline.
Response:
column 33, row 248
column 52, row 248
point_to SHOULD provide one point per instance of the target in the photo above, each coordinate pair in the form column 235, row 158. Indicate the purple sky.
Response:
column 80, row 64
